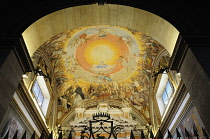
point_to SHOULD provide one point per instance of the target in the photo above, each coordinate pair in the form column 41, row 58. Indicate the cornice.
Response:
column 186, row 108
column 179, row 96
column 22, row 92
column 20, row 113
column 17, row 45
column 22, row 55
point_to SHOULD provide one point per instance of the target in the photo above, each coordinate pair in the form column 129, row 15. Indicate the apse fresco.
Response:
column 107, row 62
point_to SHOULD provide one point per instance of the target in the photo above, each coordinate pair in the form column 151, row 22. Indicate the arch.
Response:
column 92, row 15
column 182, row 22
column 162, row 53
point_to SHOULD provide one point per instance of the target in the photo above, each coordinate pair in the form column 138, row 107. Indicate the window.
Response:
column 164, row 92
column 167, row 93
column 38, row 93
column 41, row 93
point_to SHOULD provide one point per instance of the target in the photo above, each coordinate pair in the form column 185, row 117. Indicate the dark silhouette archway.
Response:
column 191, row 20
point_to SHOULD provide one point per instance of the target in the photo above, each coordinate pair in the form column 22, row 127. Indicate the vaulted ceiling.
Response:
column 109, row 14
column 105, row 61
column 105, row 51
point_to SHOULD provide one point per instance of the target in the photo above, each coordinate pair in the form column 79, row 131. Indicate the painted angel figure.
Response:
column 125, row 62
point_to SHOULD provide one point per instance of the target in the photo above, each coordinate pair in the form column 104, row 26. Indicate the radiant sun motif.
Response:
column 102, row 62
column 103, row 54
column 102, row 51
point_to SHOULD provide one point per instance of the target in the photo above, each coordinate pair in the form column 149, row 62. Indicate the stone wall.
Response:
column 10, row 75
column 198, row 85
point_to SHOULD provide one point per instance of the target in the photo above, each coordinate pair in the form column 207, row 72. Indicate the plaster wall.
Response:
column 90, row 15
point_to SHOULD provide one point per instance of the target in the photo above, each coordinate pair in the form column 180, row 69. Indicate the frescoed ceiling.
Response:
column 102, row 61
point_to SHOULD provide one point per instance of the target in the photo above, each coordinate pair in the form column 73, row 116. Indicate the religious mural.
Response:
column 107, row 62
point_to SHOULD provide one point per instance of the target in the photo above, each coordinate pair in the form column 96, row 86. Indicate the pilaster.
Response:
column 14, row 62
column 194, row 66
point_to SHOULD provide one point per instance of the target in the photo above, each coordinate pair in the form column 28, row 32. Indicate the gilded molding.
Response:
column 179, row 96
column 50, row 84
column 161, row 61
column 157, row 111
column 50, row 106
column 187, row 106
column 157, row 60
column 40, row 52
column 156, row 108
column 22, row 92
column 20, row 113
column 48, row 67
